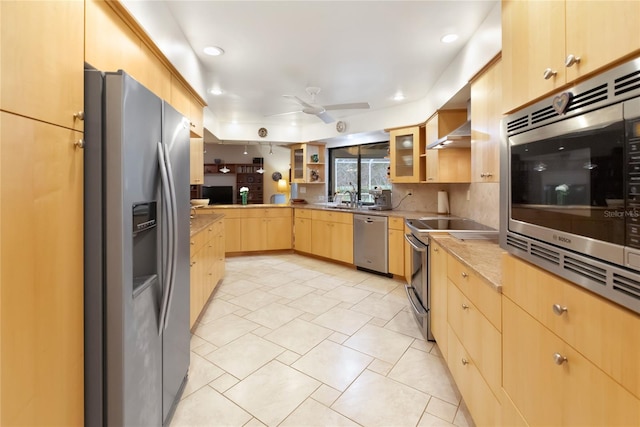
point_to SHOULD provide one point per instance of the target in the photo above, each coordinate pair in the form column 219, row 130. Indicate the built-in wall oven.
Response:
column 571, row 197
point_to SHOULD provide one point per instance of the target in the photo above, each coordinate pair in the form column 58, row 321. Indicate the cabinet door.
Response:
column 572, row 392
column 432, row 165
column 253, row 234
column 321, row 238
column 298, row 168
column 486, row 112
column 233, row 235
column 342, row 242
column 196, row 166
column 532, row 41
column 180, row 97
column 405, row 147
column 438, row 277
column 278, row 233
column 42, row 284
column 196, row 117
column 303, row 234
column 597, row 48
column 41, row 57
column 396, row 252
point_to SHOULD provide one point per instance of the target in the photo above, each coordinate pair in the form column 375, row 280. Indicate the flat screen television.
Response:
column 218, row 194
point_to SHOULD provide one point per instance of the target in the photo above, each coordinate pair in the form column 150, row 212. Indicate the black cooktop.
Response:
column 446, row 224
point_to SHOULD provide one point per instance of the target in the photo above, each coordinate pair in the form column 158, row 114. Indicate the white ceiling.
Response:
column 355, row 51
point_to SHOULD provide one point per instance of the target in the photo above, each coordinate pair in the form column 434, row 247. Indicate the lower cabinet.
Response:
column 256, row 229
column 302, row 230
column 396, row 245
column 438, row 278
column 207, row 266
column 574, row 364
column 332, row 235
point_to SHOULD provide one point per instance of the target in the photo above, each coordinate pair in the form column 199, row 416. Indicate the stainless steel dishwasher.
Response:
column 371, row 243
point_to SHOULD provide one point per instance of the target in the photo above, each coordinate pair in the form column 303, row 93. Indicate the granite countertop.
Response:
column 200, row 222
column 482, row 256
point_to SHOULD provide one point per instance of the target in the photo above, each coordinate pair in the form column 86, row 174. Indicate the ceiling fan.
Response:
column 321, row 110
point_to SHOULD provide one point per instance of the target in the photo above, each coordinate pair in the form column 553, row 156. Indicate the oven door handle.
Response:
column 415, row 301
column 415, row 243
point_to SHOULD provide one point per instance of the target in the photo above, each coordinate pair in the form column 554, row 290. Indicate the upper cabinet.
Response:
column 446, row 164
column 41, row 53
column 486, row 112
column 196, row 167
column 548, row 44
column 307, row 163
column 405, row 148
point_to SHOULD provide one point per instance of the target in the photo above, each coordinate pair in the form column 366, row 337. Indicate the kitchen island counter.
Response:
column 200, row 222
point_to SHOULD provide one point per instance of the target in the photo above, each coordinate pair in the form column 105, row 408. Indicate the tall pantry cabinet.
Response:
column 41, row 213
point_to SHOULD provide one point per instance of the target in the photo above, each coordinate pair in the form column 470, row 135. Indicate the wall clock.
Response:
column 262, row 132
column 341, row 126
column 277, row 176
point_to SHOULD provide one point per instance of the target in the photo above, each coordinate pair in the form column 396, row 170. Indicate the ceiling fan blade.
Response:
column 325, row 117
column 284, row 114
column 351, row 106
column 298, row 100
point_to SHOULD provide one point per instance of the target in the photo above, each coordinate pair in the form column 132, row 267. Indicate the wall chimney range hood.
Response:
column 458, row 138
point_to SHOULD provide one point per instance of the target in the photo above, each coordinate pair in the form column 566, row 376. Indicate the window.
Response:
column 359, row 168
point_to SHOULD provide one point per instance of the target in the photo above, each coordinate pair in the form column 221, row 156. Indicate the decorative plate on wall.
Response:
column 262, row 132
column 277, row 176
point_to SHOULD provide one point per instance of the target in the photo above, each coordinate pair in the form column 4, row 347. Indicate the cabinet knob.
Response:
column 571, row 60
column 465, row 306
column 559, row 309
column 79, row 143
column 79, row 115
column 436, row 250
column 488, row 174
column 464, row 361
column 482, row 175
column 559, row 359
column 465, row 275
column 548, row 73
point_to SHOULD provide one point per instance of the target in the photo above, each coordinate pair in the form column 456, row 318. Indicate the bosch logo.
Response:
column 564, row 239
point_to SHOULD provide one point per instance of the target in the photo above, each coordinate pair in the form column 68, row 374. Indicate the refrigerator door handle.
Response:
column 166, row 201
column 174, row 242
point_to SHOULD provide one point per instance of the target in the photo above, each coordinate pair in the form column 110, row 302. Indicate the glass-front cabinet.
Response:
column 308, row 163
column 405, row 147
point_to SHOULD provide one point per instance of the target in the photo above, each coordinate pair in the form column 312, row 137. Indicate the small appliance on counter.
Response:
column 381, row 199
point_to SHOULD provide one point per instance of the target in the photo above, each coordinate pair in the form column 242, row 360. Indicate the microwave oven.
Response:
column 570, row 187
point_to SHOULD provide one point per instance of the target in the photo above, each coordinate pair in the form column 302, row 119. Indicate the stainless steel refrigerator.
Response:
column 136, row 253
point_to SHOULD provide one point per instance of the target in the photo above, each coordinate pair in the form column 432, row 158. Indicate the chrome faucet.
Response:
column 353, row 195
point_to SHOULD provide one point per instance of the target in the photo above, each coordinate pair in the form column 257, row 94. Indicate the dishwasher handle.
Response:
column 415, row 243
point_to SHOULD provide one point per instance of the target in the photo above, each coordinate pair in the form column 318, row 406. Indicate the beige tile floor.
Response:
column 289, row 340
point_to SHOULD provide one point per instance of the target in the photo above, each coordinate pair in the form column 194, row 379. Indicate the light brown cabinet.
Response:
column 207, row 266
column 571, row 357
column 438, row 282
column 308, row 163
column 42, row 283
column 447, row 164
column 405, row 149
column 486, row 112
column 539, row 37
column 196, row 161
column 332, row 235
column 302, row 230
column 396, row 245
column 41, row 52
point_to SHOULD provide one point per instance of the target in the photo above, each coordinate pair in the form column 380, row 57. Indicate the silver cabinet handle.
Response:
column 482, row 175
column 571, row 60
column 548, row 73
column 79, row 143
column 464, row 361
column 465, row 306
column 559, row 359
column 79, row 115
column 488, row 174
column 465, row 275
column 559, row 309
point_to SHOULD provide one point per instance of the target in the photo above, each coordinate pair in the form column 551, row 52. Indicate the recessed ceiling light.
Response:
column 398, row 97
column 449, row 38
column 215, row 91
column 213, row 51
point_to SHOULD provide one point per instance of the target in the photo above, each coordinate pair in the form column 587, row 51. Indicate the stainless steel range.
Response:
column 418, row 291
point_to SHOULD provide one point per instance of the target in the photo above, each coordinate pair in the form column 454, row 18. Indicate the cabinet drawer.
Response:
column 480, row 293
column 228, row 212
column 483, row 405
column 302, row 213
column 267, row 213
column 341, row 217
column 396, row 223
column 603, row 332
column 197, row 241
column 480, row 338
column 548, row 390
